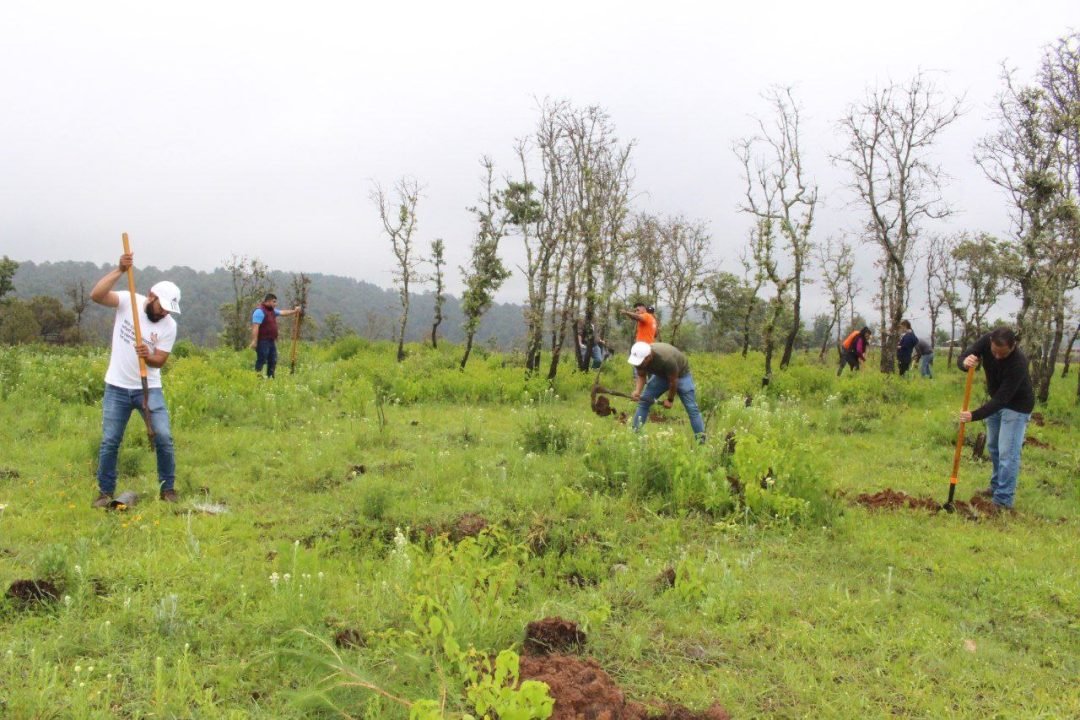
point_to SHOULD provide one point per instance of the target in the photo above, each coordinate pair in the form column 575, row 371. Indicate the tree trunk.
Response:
column 796, row 322
column 1068, row 351
column 468, row 349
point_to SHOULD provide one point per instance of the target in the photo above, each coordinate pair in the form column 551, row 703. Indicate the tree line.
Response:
column 568, row 203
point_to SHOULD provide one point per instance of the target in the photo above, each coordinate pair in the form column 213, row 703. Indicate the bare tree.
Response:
column 250, row 282
column 777, row 190
column 80, row 300
column 753, row 278
column 684, row 261
column 937, row 254
column 890, row 135
column 398, row 217
column 1031, row 157
column 486, row 272
column 838, row 272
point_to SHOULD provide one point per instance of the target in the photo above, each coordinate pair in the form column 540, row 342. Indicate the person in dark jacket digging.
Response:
column 669, row 370
column 905, row 347
column 1012, row 398
column 264, row 333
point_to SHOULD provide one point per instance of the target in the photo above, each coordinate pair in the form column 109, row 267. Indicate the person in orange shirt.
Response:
column 646, row 326
column 646, row 323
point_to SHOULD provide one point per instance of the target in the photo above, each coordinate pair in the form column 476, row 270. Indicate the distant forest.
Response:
column 363, row 308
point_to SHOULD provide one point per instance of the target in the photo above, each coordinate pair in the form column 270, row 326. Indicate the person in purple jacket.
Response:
column 264, row 333
column 1012, row 398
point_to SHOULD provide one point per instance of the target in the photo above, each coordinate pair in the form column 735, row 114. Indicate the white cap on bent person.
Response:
column 638, row 353
column 168, row 295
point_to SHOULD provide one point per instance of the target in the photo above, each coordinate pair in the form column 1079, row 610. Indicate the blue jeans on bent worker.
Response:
column 926, row 366
column 656, row 387
column 115, row 412
column 1004, row 441
column 266, row 354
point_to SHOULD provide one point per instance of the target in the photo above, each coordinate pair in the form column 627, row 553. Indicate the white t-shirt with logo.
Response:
column 123, row 362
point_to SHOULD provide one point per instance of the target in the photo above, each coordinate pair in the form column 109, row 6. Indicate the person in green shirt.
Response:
column 670, row 371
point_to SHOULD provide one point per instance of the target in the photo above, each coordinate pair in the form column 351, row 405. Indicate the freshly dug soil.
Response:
column 888, row 499
column 602, row 406
column 25, row 593
column 1036, row 442
column 583, row 691
column 1038, row 419
column 468, row 525
column 553, row 634
column 349, row 638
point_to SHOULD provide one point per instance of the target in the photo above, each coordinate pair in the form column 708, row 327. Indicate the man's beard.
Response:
column 151, row 315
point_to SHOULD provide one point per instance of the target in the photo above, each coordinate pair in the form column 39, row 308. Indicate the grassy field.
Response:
column 324, row 544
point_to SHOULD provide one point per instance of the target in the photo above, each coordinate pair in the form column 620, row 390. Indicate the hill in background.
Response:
column 364, row 308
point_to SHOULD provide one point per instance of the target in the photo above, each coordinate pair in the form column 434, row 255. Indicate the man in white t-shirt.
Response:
column 123, row 384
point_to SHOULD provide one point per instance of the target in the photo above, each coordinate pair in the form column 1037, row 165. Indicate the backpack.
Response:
column 850, row 341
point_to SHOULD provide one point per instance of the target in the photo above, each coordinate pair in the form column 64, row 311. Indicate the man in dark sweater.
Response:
column 905, row 348
column 1012, row 398
column 669, row 372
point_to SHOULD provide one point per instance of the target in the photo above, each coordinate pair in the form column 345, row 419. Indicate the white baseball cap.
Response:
column 638, row 353
column 168, row 295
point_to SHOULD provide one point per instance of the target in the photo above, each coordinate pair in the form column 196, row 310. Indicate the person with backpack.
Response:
column 905, row 347
column 854, row 349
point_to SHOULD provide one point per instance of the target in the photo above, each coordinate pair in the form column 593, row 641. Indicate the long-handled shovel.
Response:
column 297, row 318
column 138, row 339
column 948, row 506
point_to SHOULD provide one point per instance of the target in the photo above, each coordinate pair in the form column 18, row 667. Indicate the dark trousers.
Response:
column 266, row 354
column 905, row 364
column 849, row 358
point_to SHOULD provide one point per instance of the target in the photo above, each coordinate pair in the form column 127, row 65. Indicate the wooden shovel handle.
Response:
column 134, row 310
column 960, row 432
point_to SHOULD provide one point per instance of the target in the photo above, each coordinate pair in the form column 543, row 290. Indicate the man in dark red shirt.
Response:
column 264, row 333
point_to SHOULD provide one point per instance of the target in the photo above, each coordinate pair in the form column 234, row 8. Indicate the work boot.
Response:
column 102, row 500
column 169, row 496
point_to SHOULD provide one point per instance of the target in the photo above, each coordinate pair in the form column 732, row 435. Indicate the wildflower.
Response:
column 274, row 577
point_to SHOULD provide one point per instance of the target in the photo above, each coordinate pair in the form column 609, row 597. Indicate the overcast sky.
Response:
column 207, row 129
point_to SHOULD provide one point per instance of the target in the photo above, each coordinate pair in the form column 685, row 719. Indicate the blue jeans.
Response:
column 266, row 354
column 656, row 387
column 926, row 365
column 115, row 412
column 1004, row 440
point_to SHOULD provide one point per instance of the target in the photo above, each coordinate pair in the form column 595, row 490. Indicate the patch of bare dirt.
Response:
column 468, row 525
column 1038, row 419
column 977, row 508
column 26, row 593
column 582, row 690
column 1036, row 442
column 553, row 635
column 666, row 578
column 349, row 638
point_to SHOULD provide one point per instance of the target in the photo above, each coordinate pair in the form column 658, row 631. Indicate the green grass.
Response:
column 789, row 602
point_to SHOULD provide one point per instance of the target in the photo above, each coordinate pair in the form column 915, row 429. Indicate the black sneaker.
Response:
column 169, row 496
column 102, row 501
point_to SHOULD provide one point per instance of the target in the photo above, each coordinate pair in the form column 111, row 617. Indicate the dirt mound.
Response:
column 349, row 638
column 582, row 689
column 666, row 578
column 976, row 508
column 553, row 634
column 602, row 406
column 888, row 499
column 1038, row 419
column 1036, row 442
column 656, row 417
column 24, row 593
column 468, row 525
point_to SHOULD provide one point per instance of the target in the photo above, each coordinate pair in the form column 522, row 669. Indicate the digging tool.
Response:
column 138, row 339
column 948, row 506
column 295, row 336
